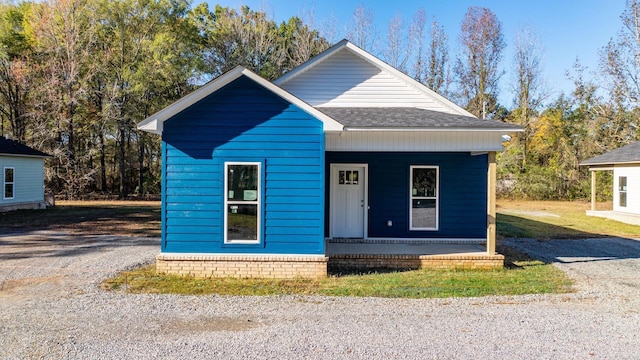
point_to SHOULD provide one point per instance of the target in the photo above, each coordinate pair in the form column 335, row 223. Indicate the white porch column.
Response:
column 491, row 204
column 593, row 190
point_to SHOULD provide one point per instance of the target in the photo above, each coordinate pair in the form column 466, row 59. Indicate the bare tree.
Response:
column 399, row 45
column 437, row 77
column 529, row 84
column 64, row 36
column 476, row 68
column 363, row 32
column 417, row 33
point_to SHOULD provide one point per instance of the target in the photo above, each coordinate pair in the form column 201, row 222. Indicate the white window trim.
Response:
column 258, row 202
column 5, row 183
column 437, row 197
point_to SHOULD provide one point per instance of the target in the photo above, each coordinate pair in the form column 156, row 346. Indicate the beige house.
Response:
column 625, row 164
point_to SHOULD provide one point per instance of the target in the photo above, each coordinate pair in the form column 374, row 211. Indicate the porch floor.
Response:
column 403, row 248
column 623, row 217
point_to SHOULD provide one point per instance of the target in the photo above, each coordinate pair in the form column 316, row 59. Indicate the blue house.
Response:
column 263, row 179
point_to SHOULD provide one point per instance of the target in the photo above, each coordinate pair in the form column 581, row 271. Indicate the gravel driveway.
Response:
column 52, row 308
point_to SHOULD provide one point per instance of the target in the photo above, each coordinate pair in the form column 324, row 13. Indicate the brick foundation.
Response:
column 406, row 262
column 242, row 266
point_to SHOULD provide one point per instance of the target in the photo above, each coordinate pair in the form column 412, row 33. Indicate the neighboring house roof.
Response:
column 14, row 148
column 154, row 123
column 625, row 155
column 411, row 118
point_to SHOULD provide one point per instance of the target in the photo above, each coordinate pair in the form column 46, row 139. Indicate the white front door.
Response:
column 348, row 201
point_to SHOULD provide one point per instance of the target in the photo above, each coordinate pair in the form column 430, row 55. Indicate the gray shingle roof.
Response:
column 626, row 154
column 10, row 147
column 389, row 118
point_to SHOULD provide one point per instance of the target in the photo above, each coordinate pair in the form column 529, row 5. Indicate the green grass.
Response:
column 522, row 276
column 556, row 220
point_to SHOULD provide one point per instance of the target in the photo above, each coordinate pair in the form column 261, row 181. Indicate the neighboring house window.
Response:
column 9, row 183
column 424, row 198
column 242, row 202
column 622, row 187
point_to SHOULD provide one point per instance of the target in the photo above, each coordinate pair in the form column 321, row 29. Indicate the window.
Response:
column 9, row 183
column 622, row 187
column 242, row 203
column 424, row 198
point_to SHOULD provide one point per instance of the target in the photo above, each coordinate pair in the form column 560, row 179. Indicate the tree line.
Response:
column 77, row 75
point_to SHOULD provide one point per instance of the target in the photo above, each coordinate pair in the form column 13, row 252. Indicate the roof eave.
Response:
column 25, row 155
column 434, row 129
column 609, row 163
column 154, row 123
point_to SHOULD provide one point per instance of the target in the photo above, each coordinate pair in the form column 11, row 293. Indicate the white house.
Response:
column 21, row 176
column 625, row 164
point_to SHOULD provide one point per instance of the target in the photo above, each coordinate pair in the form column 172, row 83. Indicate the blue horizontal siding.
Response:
column 462, row 193
column 243, row 122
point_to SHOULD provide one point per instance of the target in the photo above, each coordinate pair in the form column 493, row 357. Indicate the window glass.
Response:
column 9, row 184
column 242, row 203
column 424, row 198
column 242, row 222
column 8, row 175
column 622, row 187
column 242, row 182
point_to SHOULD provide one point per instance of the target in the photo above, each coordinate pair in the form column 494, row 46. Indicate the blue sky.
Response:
column 567, row 29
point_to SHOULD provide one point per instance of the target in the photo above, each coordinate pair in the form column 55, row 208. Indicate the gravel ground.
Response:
column 52, row 308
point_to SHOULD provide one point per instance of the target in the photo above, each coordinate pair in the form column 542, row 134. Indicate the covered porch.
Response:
column 409, row 254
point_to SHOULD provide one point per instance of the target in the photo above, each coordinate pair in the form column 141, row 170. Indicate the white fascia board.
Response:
column 439, row 129
column 611, row 163
column 154, row 123
column 26, row 156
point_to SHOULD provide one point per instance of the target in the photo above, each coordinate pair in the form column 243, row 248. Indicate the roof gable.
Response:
column 154, row 123
column 624, row 155
column 347, row 76
column 14, row 148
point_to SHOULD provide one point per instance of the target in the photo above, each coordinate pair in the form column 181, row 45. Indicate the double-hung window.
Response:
column 242, row 202
column 424, row 198
column 622, row 189
column 9, row 183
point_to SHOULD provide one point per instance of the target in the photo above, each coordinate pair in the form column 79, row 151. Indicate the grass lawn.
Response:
column 128, row 218
column 521, row 275
column 524, row 276
column 556, row 219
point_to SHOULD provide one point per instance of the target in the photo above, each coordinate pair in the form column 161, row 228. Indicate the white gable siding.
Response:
column 347, row 80
column 28, row 176
column 633, row 188
column 413, row 141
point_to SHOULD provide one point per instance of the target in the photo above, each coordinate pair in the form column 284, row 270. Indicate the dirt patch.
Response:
column 530, row 213
column 218, row 323
column 9, row 286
